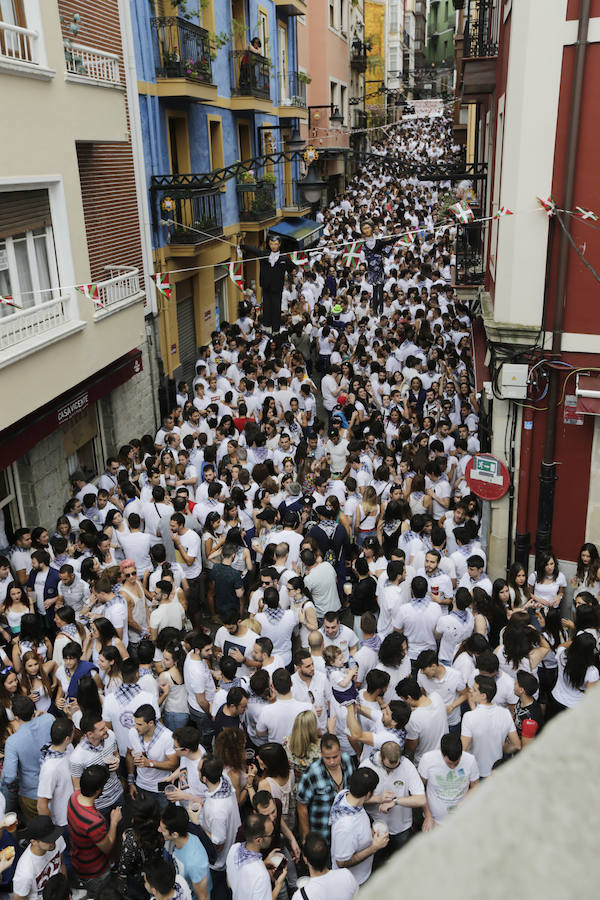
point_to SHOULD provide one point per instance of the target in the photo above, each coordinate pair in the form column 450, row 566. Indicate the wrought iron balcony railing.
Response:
column 482, row 29
column 192, row 215
column 292, row 89
column 183, row 49
column 256, row 200
column 250, row 75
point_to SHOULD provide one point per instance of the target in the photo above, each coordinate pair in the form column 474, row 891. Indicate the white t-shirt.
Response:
column 56, row 785
column 190, row 542
column 453, row 631
column 197, row 680
column 120, row 714
column 488, row 726
column 338, row 883
column 404, row 781
column 136, row 546
column 157, row 749
column 242, row 642
column 446, row 787
column 442, row 490
column 418, row 620
column 451, row 684
column 549, row 591
column 220, row 817
column 167, row 615
column 33, row 872
column 249, row 880
column 563, row 690
column 280, row 632
column 349, row 834
column 345, row 639
column 428, row 725
column 278, row 718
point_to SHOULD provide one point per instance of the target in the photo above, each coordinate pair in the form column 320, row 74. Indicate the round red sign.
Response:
column 487, row 476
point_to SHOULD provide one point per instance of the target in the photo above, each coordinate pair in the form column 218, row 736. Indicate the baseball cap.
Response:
column 42, row 828
column 337, row 309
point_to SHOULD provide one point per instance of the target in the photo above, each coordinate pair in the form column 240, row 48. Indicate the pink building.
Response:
column 324, row 40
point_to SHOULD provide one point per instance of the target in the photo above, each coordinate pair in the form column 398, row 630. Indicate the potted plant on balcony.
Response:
column 268, row 178
column 303, row 78
column 198, row 68
column 247, row 177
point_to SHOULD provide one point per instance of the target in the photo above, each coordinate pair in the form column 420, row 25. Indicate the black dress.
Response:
column 271, row 282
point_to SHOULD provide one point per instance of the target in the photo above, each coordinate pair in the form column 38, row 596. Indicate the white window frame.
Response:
column 13, row 272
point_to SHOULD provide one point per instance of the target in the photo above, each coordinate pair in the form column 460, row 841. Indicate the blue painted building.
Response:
column 206, row 101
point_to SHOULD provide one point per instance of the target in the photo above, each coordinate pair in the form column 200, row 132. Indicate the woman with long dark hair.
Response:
column 273, row 773
column 394, row 659
column 142, row 843
column 518, row 588
column 586, row 577
column 577, row 671
column 172, row 697
column 547, row 583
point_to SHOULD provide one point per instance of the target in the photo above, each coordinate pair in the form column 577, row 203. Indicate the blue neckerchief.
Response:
column 340, row 809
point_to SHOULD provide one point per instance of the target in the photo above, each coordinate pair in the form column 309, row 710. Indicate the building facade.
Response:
column 76, row 372
column 532, row 123
column 441, row 26
column 325, row 39
column 208, row 100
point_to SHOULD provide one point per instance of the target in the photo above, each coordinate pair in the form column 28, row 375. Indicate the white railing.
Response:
column 18, row 43
column 93, row 64
column 24, row 324
column 118, row 287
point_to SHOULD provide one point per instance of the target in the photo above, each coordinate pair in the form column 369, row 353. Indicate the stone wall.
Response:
column 129, row 411
column 44, row 482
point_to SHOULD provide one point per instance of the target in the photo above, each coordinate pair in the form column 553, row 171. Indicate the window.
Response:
column 343, row 93
column 215, row 138
column 81, row 442
column 9, row 515
column 343, row 16
column 28, row 269
column 332, row 13
column 394, row 17
column 221, row 305
column 333, row 94
column 393, row 60
column 263, row 31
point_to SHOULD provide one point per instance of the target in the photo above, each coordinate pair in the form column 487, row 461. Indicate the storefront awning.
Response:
column 17, row 439
column 587, row 392
column 297, row 234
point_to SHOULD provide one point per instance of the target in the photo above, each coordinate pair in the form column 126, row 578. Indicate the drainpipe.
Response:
column 548, row 468
column 522, row 538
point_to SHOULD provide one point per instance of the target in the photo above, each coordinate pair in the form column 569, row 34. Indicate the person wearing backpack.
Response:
column 333, row 542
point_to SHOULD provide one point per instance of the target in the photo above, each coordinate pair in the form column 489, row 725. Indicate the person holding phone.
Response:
column 248, row 874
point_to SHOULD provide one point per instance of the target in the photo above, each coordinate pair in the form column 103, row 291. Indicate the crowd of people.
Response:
column 262, row 650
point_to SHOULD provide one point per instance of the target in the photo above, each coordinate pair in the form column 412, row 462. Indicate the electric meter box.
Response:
column 513, row 381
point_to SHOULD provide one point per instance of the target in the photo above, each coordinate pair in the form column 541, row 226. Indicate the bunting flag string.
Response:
column 162, row 281
column 585, row 214
column 8, row 301
column 236, row 273
column 91, row 292
column 548, row 205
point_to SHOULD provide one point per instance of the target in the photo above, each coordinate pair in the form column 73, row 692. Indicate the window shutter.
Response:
column 23, row 211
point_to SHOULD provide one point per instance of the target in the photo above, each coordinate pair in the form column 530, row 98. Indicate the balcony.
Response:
column 292, row 95
column 290, row 7
column 92, row 66
column 358, row 56
column 191, row 213
column 23, row 331
column 119, row 291
column 20, row 52
column 183, row 59
column 257, row 201
column 250, row 77
column 480, row 47
column 471, row 241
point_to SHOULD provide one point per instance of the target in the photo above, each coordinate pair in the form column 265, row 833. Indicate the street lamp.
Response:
column 312, row 185
column 335, row 118
column 294, row 142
